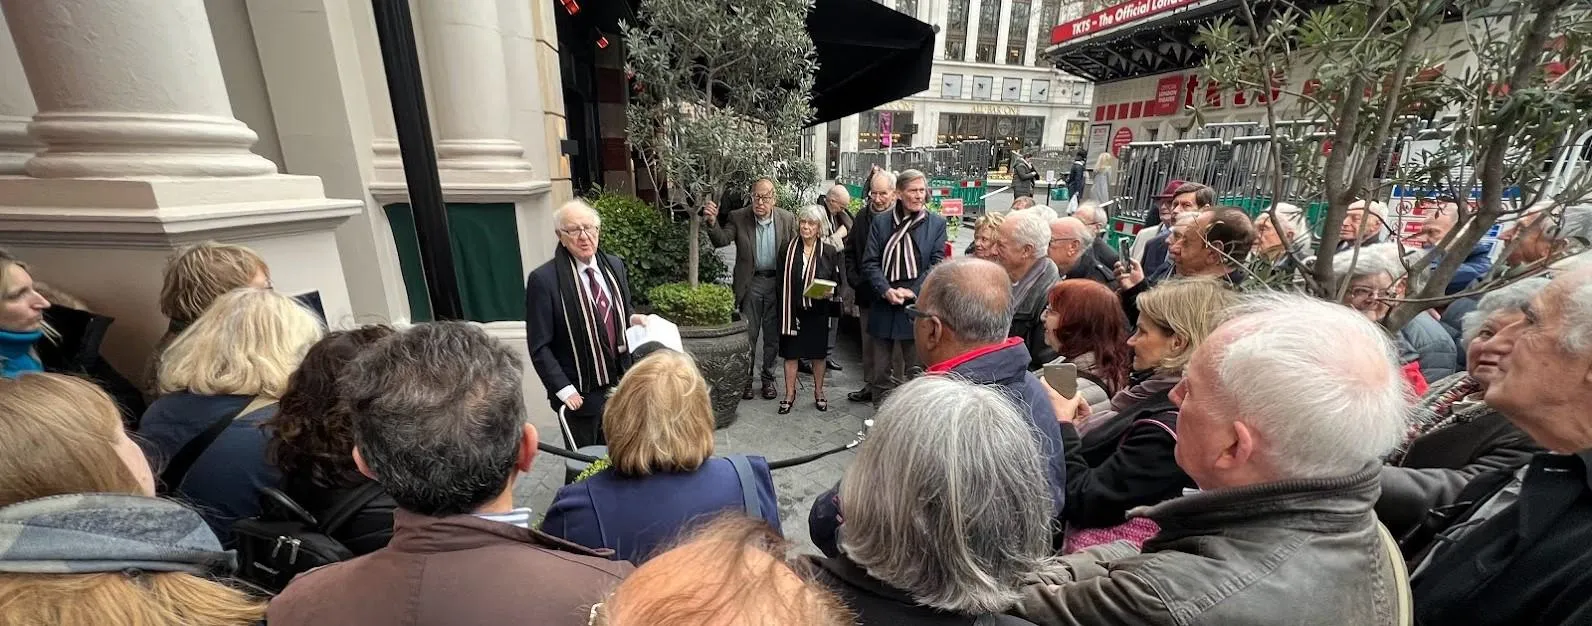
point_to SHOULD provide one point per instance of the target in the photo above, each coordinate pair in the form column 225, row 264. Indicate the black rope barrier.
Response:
column 772, row 465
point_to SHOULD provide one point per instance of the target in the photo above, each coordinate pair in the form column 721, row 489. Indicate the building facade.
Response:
column 988, row 83
column 131, row 128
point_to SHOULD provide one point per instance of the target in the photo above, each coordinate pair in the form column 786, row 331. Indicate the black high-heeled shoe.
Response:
column 785, row 405
column 822, row 403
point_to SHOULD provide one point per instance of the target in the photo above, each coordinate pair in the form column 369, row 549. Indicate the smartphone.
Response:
column 1063, row 377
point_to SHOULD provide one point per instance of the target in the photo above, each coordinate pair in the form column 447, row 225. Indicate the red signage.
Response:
column 1167, row 91
column 951, row 208
column 1123, row 13
column 1123, row 137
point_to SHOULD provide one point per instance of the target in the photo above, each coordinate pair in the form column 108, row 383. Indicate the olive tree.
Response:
column 1489, row 104
column 721, row 93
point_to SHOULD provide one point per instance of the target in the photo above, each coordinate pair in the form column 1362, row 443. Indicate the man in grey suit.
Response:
column 760, row 234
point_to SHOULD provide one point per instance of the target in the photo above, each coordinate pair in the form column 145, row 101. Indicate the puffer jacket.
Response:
column 1291, row 552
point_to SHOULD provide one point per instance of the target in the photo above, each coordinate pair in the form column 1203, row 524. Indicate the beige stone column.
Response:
column 467, row 79
column 16, row 108
column 140, row 155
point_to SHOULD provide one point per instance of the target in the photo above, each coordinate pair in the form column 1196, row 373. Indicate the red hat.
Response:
column 1170, row 190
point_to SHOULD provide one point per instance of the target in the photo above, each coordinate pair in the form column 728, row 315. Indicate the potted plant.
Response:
column 712, row 337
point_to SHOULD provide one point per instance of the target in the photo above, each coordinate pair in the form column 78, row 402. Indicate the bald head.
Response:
column 973, row 297
column 1069, row 237
column 1024, row 202
column 839, row 193
column 1090, row 214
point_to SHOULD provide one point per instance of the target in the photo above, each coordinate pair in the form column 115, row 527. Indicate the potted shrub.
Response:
column 717, row 342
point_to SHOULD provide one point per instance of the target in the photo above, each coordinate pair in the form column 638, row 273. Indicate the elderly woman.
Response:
column 221, row 379
column 86, row 540
column 804, row 320
column 1084, row 325
column 660, row 476
column 946, row 509
column 986, row 234
column 312, row 438
column 1375, row 279
column 194, row 278
column 1455, row 436
column 1124, row 457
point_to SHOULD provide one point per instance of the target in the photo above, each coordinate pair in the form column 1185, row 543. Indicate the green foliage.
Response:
column 703, row 305
column 653, row 247
column 723, row 90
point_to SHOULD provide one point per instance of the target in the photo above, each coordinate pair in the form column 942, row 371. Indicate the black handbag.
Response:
column 287, row 540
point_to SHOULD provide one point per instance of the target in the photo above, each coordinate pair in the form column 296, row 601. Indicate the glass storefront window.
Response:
column 956, row 30
column 1004, row 132
column 868, row 132
column 989, row 26
column 1017, row 34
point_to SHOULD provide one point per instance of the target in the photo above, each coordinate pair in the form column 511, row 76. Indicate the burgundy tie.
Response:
column 604, row 311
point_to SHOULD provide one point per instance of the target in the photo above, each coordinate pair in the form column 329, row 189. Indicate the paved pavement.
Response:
column 760, row 430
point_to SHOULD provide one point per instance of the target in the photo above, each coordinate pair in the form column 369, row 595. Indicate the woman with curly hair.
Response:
column 312, row 443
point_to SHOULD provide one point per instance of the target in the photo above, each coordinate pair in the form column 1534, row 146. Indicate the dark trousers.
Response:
column 894, row 362
column 761, row 310
column 586, row 423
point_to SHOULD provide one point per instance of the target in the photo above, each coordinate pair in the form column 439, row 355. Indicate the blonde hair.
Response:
column 660, row 417
column 200, row 273
column 7, row 261
column 248, row 343
column 58, row 436
column 988, row 220
column 1189, row 308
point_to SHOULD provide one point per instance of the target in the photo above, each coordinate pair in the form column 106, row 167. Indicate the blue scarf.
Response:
column 106, row 532
column 16, row 353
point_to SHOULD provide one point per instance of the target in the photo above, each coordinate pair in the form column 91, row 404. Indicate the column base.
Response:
column 107, row 241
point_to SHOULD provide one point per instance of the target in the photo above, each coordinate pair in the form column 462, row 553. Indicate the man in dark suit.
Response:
column 1094, row 218
column 577, row 307
column 760, row 234
column 902, row 245
column 880, row 188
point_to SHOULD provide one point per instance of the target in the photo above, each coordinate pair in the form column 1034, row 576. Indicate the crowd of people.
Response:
column 1225, row 457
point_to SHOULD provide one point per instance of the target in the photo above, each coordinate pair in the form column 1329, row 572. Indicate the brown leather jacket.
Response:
column 459, row 569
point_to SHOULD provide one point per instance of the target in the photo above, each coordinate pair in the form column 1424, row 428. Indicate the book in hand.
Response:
column 654, row 332
column 820, row 289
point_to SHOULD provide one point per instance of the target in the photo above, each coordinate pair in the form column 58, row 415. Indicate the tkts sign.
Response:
column 1129, row 11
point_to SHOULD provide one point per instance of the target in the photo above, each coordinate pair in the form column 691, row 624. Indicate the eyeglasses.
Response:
column 1362, row 294
column 915, row 313
column 577, row 232
column 1055, row 242
column 765, row 197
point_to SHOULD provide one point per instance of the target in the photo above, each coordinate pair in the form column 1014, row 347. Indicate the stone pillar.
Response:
column 467, row 80
column 16, row 108
column 141, row 155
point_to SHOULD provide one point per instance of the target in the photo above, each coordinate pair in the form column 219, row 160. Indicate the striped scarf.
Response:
column 901, row 251
column 795, row 290
column 597, row 362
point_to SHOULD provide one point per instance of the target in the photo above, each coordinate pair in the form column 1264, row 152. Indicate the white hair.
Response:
column 1509, row 298
column 1380, row 258
column 947, row 500
column 1575, row 221
column 1317, row 381
column 1577, row 309
column 1374, row 211
column 1029, row 228
column 1076, row 227
column 576, row 207
column 906, row 177
column 1045, row 211
column 1292, row 218
column 888, row 177
column 816, row 214
column 1088, row 206
column 839, row 192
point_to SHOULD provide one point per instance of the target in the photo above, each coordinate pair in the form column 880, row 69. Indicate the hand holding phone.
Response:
column 1063, row 377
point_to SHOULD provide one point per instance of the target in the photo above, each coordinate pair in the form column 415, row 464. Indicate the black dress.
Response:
column 811, row 340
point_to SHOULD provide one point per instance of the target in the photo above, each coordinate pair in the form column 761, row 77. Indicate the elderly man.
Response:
column 1535, row 242
column 1163, row 226
column 1094, row 219
column 902, row 246
column 1024, row 239
column 1215, row 244
column 1363, row 225
column 438, row 418
column 1477, row 261
column 1515, row 544
column 1284, row 439
column 760, row 235
column 881, row 199
column 1189, row 198
column 960, row 324
column 576, row 308
column 1072, row 250
column 1023, row 202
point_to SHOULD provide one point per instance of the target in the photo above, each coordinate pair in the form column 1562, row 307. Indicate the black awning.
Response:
column 1152, row 46
column 868, row 55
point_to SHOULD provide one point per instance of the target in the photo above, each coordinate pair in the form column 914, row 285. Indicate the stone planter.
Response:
column 722, row 353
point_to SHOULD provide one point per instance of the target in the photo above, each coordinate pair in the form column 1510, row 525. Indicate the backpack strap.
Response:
column 1169, row 430
column 344, row 510
column 749, row 498
column 190, row 452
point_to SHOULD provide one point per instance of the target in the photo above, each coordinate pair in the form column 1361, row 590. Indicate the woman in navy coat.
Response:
column 661, row 478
